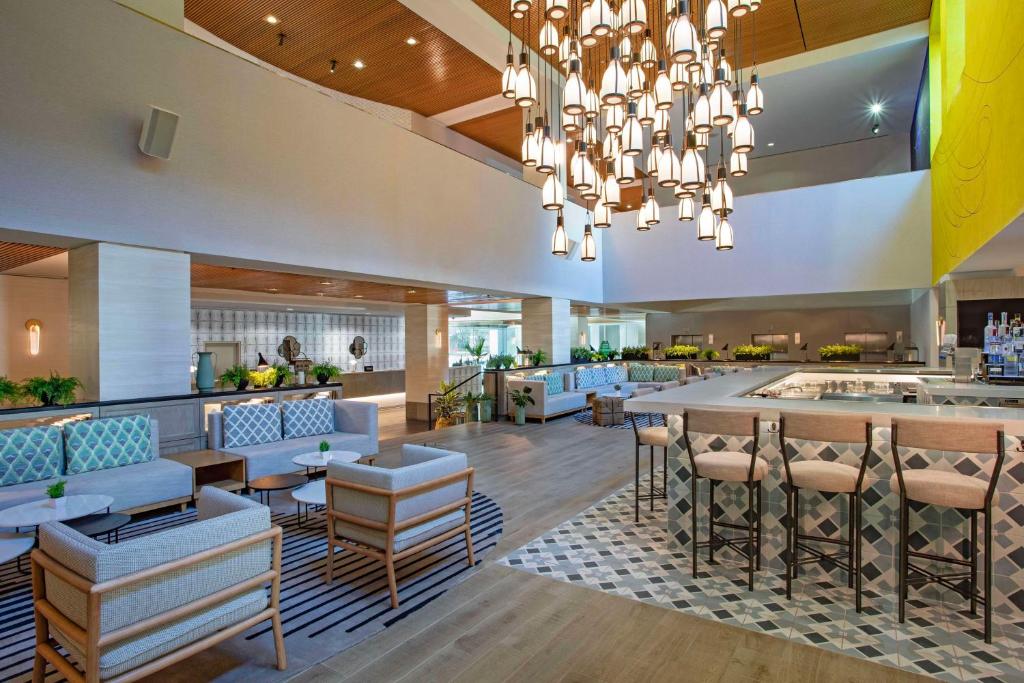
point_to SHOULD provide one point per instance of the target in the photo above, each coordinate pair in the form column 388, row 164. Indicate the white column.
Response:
column 130, row 322
column 426, row 355
column 546, row 326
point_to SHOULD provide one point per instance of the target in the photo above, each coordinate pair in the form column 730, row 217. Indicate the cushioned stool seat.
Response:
column 939, row 487
column 822, row 475
column 729, row 466
column 653, row 436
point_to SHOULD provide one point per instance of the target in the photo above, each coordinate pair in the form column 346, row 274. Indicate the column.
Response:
column 426, row 355
column 546, row 326
column 130, row 325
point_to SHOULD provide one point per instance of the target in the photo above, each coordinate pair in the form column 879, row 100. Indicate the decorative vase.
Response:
column 471, row 413
column 204, row 371
column 442, row 422
column 485, row 411
column 520, row 415
column 242, row 384
column 279, row 381
column 323, row 379
column 57, row 503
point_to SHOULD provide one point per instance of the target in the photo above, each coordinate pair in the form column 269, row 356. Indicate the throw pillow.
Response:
column 109, row 442
column 666, row 373
column 307, row 418
column 248, row 425
column 589, row 377
column 617, row 374
column 641, row 373
column 30, row 454
column 552, row 381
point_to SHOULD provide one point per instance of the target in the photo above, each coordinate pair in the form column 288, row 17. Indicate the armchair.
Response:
column 390, row 514
column 128, row 610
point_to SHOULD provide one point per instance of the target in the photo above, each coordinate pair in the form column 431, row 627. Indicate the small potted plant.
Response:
column 486, row 403
column 508, row 360
column 262, row 378
column 446, row 405
column 325, row 371
column 282, row 373
column 538, row 358
column 521, row 398
column 9, row 391
column 237, row 375
column 471, row 401
column 56, row 495
column 52, row 390
column 710, row 354
column 618, row 388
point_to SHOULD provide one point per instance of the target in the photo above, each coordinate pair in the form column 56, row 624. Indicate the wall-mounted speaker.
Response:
column 158, row 133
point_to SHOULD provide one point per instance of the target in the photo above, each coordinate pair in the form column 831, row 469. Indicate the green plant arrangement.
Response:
column 636, row 353
column 52, row 390
column 237, row 375
column 446, row 405
column 521, row 398
column 475, row 348
column 681, row 352
column 538, row 357
column 471, row 401
column 710, row 354
column 262, row 378
column 493, row 363
column 282, row 373
column 507, row 360
column 834, row 352
column 580, row 354
column 10, row 392
column 324, row 446
column 324, row 371
column 55, row 493
column 753, row 352
column 486, row 404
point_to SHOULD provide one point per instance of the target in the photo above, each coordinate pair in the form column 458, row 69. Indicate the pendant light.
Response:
column 590, row 134
column 693, row 171
column 526, row 86
column 653, row 210
column 686, row 209
column 679, row 76
column 721, row 195
column 743, row 133
column 706, row 221
column 610, row 147
column 585, row 29
column 681, row 192
column 548, row 39
column 546, row 154
column 633, row 16
column 602, row 215
column 646, row 108
column 683, row 45
column 611, row 197
column 556, row 9
column 613, row 83
column 739, row 8
column 519, row 8
column 508, row 77
column 614, row 117
column 702, row 111
column 560, row 241
column 571, row 124
column 716, row 19
column 721, row 104
column 671, row 169
column 565, row 48
column 552, row 194
column 632, row 137
column 755, row 97
column 636, row 79
column 594, row 191
column 530, row 151
column 625, row 169
column 591, row 104
column 601, row 18
column 588, row 252
column 724, row 236
column 737, row 164
column 702, row 140
column 641, row 218
column 726, row 69
column 648, row 53
column 653, row 159
column 662, row 122
column 663, row 94
column 574, row 91
column 625, row 49
column 582, row 169
column 755, row 5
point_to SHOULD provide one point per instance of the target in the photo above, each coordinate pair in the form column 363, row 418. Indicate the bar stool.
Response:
column 932, row 486
column 825, row 477
column 733, row 467
column 650, row 436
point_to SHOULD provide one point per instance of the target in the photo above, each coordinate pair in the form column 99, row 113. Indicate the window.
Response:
column 688, row 340
column 778, row 342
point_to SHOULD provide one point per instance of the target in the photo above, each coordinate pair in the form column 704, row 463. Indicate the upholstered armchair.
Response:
column 390, row 514
column 128, row 610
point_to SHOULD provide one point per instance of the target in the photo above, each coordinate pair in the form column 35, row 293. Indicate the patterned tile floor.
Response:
column 604, row 549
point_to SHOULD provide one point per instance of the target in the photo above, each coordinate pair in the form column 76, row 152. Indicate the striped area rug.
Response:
column 642, row 420
column 319, row 620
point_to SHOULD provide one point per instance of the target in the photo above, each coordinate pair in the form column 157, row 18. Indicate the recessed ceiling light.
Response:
column 411, row 291
column 319, row 293
column 358, row 64
column 875, row 108
column 359, row 296
column 326, row 282
column 411, row 41
column 289, row 309
column 629, row 206
column 271, row 289
column 771, row 144
column 271, row 19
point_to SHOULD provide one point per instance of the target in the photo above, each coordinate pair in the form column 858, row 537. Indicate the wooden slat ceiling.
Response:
column 270, row 282
column 435, row 75
column 14, row 254
column 502, row 131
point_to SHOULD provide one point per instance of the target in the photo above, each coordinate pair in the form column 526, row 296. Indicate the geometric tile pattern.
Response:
column 246, row 425
column 30, row 454
column 602, row 548
column 307, row 418
column 109, row 442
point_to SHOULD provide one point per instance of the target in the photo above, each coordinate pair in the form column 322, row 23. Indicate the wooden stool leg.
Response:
column 796, row 531
column 988, row 574
column 652, row 479
column 758, row 520
column 974, row 561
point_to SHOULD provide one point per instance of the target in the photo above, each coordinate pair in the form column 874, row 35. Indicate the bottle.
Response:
column 1004, row 326
column 990, row 329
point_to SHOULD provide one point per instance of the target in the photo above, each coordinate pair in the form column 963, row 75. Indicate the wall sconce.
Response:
column 796, row 338
column 438, row 338
column 711, row 339
column 35, row 330
column 583, row 338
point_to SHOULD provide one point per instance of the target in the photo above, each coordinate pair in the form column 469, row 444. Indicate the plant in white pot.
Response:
column 56, row 494
column 521, row 398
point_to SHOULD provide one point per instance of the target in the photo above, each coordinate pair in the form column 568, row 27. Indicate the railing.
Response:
column 430, row 398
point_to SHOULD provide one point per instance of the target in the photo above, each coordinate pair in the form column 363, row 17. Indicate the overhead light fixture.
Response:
column 358, row 296
column 589, row 250
column 271, row 19
column 411, row 291
column 771, row 144
column 411, row 41
column 358, row 64
column 334, row 65
column 327, row 282
column 875, row 108
column 559, row 240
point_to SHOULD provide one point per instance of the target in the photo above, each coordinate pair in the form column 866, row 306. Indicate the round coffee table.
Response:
column 319, row 459
column 276, row 482
column 313, row 493
column 39, row 511
column 14, row 546
column 102, row 523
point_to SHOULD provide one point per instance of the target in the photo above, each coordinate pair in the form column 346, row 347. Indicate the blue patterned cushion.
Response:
column 641, row 373
column 247, row 425
column 553, row 382
column 590, row 377
column 666, row 373
column 30, row 454
column 617, row 374
column 110, row 442
column 307, row 418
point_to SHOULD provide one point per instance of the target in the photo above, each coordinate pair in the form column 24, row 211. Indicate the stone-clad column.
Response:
column 426, row 355
column 546, row 326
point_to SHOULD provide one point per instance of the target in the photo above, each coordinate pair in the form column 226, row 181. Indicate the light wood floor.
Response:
column 504, row 624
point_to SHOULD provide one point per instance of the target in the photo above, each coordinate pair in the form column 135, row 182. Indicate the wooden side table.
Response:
column 213, row 468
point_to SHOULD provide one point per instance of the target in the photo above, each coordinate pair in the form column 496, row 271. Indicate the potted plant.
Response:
column 56, row 494
column 237, row 375
column 681, row 352
column 521, row 398
column 471, row 401
column 282, row 373
column 486, row 402
column 446, row 405
column 538, row 357
column 262, row 378
column 839, row 352
column 580, row 354
column 475, row 349
column 753, row 352
column 52, row 390
column 9, row 391
column 324, row 446
column 710, row 354
column 508, row 360
column 325, row 371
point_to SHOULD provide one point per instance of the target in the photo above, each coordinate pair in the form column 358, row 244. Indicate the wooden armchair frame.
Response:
column 387, row 555
column 90, row 640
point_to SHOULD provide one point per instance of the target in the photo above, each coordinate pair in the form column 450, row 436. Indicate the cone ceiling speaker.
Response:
column 158, row 133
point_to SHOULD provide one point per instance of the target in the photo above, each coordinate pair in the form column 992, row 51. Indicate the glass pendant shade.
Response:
column 724, row 236
column 693, row 171
column 590, row 134
column 565, row 49
column 755, row 5
column 663, row 94
column 679, row 76
column 508, row 79
column 636, row 80
column 548, row 39
column 743, row 133
column 707, row 71
column 571, row 124
column 614, row 118
column 591, row 104
column 560, row 241
column 602, row 215
column 610, row 195
column 721, row 195
column 586, row 35
column 686, row 209
column 723, row 74
column 610, row 147
column 653, row 159
column 641, row 218
column 601, row 18
column 632, row 136
column 671, row 168
column 526, row 86
column 522, row 5
column 737, row 164
column 633, row 16
column 530, row 149
column 683, row 45
column 721, row 105
column 552, row 194
column 662, row 122
column 755, row 97
column 653, row 213
column 648, row 53
column 706, row 221
column 716, row 19
column 517, row 10
column 546, row 154
column 739, row 8
column 588, row 251
column 679, row 192
column 556, row 9
column 702, row 140
column 646, row 108
column 574, row 92
column 625, row 169
column 702, row 112
column 613, row 83
column 582, row 169
column 594, row 191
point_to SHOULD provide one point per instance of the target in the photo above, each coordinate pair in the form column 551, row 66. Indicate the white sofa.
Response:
column 546, row 405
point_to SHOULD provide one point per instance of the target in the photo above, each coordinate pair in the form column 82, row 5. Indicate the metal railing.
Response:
column 430, row 398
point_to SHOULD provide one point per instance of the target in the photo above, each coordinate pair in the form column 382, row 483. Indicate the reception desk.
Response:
column 936, row 530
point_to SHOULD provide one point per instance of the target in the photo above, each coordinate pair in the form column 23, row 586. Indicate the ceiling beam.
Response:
column 473, row 110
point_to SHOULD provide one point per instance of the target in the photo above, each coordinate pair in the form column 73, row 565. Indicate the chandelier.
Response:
column 610, row 73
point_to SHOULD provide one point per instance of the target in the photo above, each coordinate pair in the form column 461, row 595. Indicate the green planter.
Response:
column 472, row 414
column 520, row 415
column 486, row 414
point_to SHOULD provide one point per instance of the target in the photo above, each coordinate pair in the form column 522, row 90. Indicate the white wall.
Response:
column 924, row 311
column 43, row 299
column 859, row 235
column 263, row 168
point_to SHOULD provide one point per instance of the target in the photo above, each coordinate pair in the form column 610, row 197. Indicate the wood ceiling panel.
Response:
column 827, row 22
column 502, row 131
column 14, row 254
column 433, row 76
